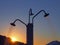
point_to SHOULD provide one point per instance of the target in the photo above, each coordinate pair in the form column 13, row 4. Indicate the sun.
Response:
column 13, row 39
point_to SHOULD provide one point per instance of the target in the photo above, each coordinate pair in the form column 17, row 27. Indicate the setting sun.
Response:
column 13, row 39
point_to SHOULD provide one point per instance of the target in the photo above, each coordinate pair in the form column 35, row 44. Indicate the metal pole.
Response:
column 30, row 34
column 29, row 19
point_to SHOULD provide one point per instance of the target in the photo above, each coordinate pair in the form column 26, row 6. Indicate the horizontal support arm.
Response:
column 38, row 13
column 20, row 21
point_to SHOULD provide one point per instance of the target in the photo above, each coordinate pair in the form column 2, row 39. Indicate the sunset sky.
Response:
column 45, row 29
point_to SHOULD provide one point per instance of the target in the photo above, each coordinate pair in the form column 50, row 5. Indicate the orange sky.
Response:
column 20, row 35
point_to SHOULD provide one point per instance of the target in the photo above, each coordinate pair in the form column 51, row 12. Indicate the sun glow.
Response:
column 13, row 39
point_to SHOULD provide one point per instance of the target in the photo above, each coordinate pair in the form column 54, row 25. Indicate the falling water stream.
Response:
column 9, row 34
column 10, row 31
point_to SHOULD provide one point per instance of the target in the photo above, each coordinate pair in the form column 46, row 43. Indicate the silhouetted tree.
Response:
column 54, row 43
column 2, row 39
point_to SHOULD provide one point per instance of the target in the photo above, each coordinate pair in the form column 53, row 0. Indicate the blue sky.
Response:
column 46, row 28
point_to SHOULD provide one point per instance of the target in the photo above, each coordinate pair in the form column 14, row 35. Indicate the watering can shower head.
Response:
column 46, row 14
column 13, row 24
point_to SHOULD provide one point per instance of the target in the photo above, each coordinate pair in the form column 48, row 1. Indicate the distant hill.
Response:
column 54, row 43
